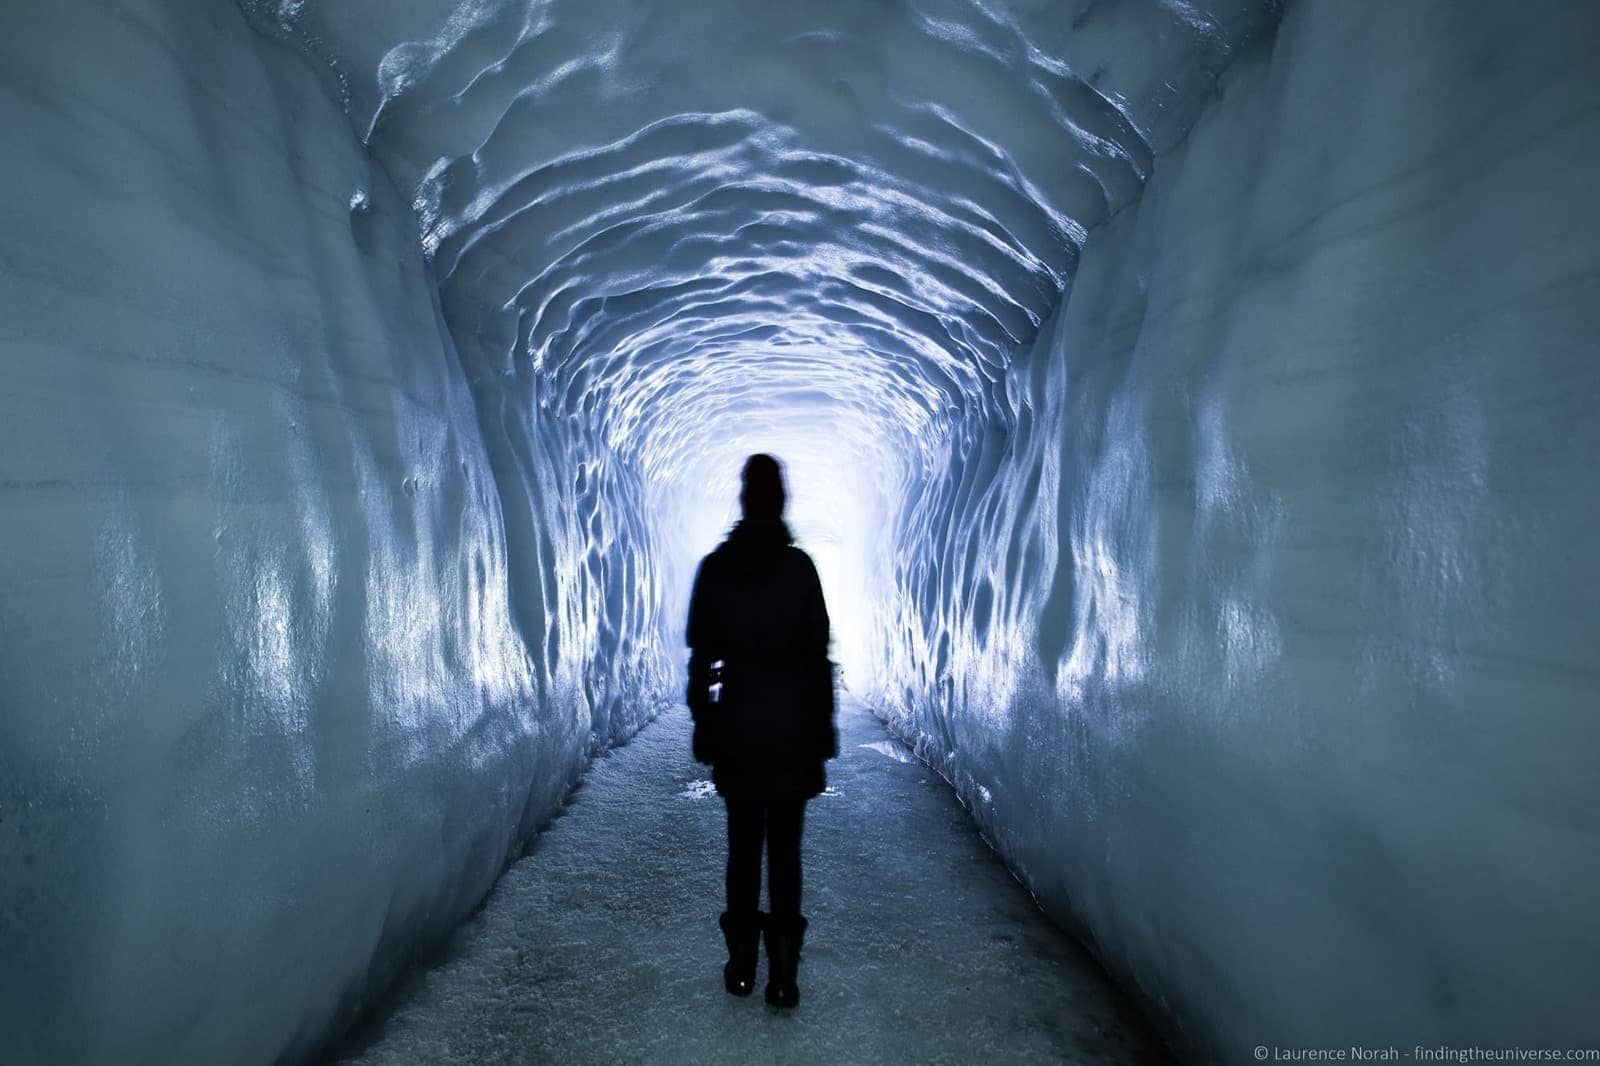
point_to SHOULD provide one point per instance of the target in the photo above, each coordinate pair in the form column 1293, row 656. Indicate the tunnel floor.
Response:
column 602, row 944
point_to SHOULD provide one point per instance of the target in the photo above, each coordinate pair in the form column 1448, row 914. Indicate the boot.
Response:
column 743, row 934
column 783, row 959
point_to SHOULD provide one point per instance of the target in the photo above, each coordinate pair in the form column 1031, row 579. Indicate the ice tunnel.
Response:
column 1190, row 405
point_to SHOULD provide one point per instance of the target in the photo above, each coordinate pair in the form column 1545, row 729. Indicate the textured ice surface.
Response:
column 372, row 379
column 1270, row 653
column 282, row 683
column 602, row 945
column 332, row 547
column 692, row 229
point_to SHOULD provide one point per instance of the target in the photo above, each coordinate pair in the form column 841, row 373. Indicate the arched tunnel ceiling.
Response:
column 852, row 212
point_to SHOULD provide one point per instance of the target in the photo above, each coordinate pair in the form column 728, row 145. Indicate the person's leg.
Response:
column 785, row 820
column 745, row 819
column 741, row 922
column 786, row 928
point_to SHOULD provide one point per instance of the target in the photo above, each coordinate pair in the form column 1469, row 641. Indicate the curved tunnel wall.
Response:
column 302, row 634
column 1261, row 637
column 1240, row 595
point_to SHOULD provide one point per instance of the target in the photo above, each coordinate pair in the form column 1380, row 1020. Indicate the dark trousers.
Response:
column 780, row 822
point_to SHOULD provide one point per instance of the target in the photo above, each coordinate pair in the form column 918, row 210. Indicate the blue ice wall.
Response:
column 1260, row 634
column 300, row 634
column 372, row 374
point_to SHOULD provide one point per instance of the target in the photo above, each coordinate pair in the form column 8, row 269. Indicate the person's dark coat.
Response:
column 758, row 611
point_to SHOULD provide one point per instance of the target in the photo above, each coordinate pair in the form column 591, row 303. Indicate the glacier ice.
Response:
column 1188, row 406
column 1269, row 655
column 284, row 684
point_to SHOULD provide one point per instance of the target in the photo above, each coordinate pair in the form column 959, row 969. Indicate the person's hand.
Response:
column 702, row 745
column 828, row 742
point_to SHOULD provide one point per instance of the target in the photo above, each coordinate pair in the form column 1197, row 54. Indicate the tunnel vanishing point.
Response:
column 1190, row 406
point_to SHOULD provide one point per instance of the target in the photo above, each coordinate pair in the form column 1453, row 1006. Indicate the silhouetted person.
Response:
column 758, row 628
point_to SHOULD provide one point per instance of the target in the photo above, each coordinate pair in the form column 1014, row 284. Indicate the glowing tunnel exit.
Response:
column 841, row 488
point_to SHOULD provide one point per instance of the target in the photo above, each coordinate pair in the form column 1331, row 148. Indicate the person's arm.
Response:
column 702, row 654
column 818, row 637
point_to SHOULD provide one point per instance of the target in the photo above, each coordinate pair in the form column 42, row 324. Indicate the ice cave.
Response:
column 1190, row 407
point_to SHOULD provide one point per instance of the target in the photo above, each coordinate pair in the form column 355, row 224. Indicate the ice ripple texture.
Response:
column 375, row 373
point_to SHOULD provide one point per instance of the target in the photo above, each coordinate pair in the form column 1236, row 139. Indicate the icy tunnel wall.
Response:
column 1261, row 630
column 1237, row 603
column 282, row 683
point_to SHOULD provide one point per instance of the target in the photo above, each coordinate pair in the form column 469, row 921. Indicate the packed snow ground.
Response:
column 602, row 946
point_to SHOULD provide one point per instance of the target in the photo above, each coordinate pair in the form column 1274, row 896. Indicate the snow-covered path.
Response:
column 602, row 945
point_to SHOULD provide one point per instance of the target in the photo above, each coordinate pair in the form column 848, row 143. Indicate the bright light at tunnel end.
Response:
column 836, row 510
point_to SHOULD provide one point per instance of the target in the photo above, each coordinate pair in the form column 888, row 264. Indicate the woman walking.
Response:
column 761, row 693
